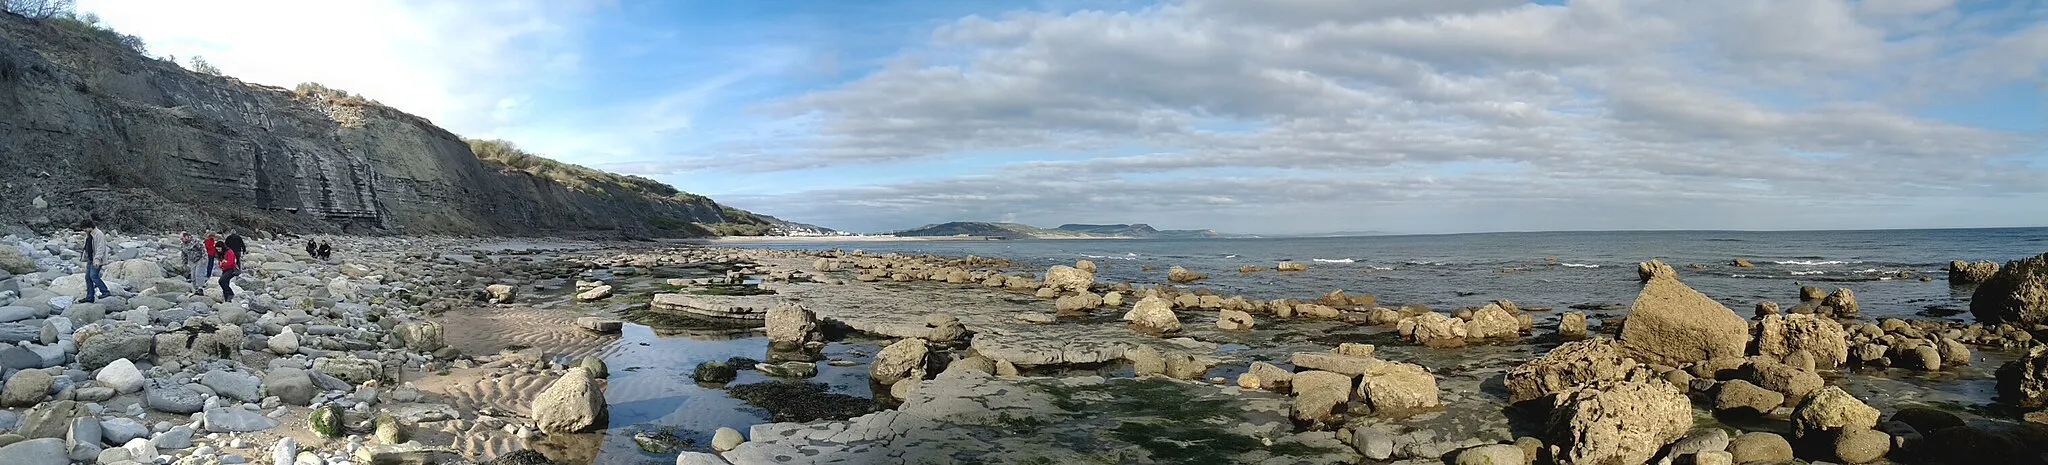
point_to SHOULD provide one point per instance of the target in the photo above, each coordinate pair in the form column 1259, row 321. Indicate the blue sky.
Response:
column 1276, row 116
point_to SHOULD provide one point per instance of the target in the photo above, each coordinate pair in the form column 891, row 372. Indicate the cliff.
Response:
column 93, row 127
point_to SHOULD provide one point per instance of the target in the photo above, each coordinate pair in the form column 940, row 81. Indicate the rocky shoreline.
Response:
column 446, row 350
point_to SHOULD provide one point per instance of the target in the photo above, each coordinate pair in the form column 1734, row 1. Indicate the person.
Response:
column 326, row 250
column 96, row 254
column 195, row 257
column 230, row 265
column 234, row 241
column 312, row 248
column 212, row 252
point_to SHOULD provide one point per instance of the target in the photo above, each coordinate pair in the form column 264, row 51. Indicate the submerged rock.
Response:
column 1672, row 324
column 800, row 402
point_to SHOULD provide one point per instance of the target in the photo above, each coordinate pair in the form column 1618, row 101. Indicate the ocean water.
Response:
column 1542, row 269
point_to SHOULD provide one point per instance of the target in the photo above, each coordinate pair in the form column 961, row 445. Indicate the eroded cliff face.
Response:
column 92, row 128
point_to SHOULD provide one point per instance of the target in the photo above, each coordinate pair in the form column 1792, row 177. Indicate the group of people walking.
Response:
column 206, row 258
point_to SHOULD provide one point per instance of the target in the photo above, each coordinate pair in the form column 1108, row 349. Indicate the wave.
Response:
column 1340, row 260
column 1381, row 268
column 1815, row 262
column 1804, row 273
column 1578, row 265
column 1230, row 256
column 1104, row 257
column 1428, row 263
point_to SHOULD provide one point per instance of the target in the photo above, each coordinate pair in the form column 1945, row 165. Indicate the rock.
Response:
column 1672, row 324
column 1700, row 440
column 1146, row 360
column 121, row 375
column 284, row 452
column 177, row 437
column 2016, row 294
column 600, row 292
column 1617, row 422
column 134, row 271
column 290, row 385
column 793, row 370
column 600, row 325
column 1113, row 299
column 122, row 430
column 1317, row 311
column 1036, row 318
column 1372, row 443
column 236, row 420
column 1780, row 335
column 1743, row 263
column 1266, row 376
column 714, row 373
column 2024, row 382
column 1962, row 272
column 1760, row 447
column 13, row 262
column 725, row 439
column 500, row 293
column 1566, row 367
column 573, row 404
column 1395, row 387
column 26, row 388
column 1349, row 365
column 1181, row 365
column 173, row 399
column 1926, row 420
column 389, row 431
column 1492, row 454
column 328, row 421
column 1831, row 409
column 1077, row 302
column 1571, row 325
column 1069, row 279
column 1794, row 383
column 904, row 359
column 699, row 458
column 1317, row 394
column 43, row 451
column 1154, row 315
column 1493, row 322
column 1179, row 275
column 1742, row 398
column 792, row 324
column 1862, row 445
column 423, row 336
column 1953, row 353
column 354, row 371
column 109, row 344
column 1436, row 330
column 944, row 328
column 1841, row 303
column 284, row 343
column 233, row 385
column 1233, row 320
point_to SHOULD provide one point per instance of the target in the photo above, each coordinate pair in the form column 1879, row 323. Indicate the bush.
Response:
column 37, row 9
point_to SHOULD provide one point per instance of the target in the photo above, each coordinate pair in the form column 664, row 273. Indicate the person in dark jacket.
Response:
column 312, row 248
column 326, row 251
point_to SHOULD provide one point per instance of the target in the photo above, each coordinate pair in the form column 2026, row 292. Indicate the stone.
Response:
column 1146, row 360
column 1569, row 366
column 42, row 451
column 354, row 371
column 290, row 385
column 1154, row 315
column 1926, row 420
column 2017, row 294
column 1962, row 272
column 1372, row 443
column 500, row 293
column 1081, row 302
column 1840, row 303
column 1317, row 394
column 1436, row 330
column 1493, row 322
column 1332, row 362
column 121, row 375
column 600, row 325
column 1862, row 445
column 13, row 262
column 944, row 328
column 1234, row 320
column 233, row 385
column 573, row 404
column 1794, row 383
column 284, row 452
column 1179, row 275
column 1036, row 318
column 725, row 439
column 422, row 336
column 1742, row 398
column 26, row 388
column 1492, row 454
column 1700, row 440
column 1760, row 447
column 1317, row 311
column 1266, row 376
column 1069, row 279
column 177, row 437
column 904, row 359
column 699, row 458
column 17, row 357
column 327, row 420
column 173, row 399
column 284, row 343
column 1181, row 365
column 388, row 430
column 1395, row 387
column 98, row 348
column 122, row 430
column 1672, row 324
column 1778, row 336
column 1830, row 409
column 714, row 373
column 1571, row 325
column 600, row 292
column 1617, row 422
column 794, row 370
column 1714, row 457
column 1953, row 353
column 237, row 420
column 792, row 324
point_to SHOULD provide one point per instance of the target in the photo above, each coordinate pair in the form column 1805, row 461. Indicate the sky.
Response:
column 1272, row 117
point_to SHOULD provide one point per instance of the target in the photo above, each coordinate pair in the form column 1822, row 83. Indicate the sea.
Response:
column 1538, row 269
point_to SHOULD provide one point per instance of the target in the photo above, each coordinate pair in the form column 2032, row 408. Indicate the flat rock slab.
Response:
column 600, row 324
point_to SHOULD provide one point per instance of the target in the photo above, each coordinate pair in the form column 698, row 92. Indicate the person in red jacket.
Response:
column 212, row 253
column 230, row 265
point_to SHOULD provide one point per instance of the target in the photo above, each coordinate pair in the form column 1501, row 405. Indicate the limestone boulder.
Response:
column 792, row 324
column 1266, row 376
column 2016, row 294
column 1571, row 325
column 1069, row 279
column 423, row 336
column 500, row 293
column 1962, row 272
column 573, row 404
column 1618, row 422
column 1234, row 320
column 1781, row 335
column 1394, row 387
column 1153, row 315
column 1672, row 324
column 1435, row 330
column 1318, row 395
column 1831, row 410
column 1567, row 367
column 904, row 359
column 1180, row 275
column 2024, row 382
column 1077, row 303
column 1493, row 322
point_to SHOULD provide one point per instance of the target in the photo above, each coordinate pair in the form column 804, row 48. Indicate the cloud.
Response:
column 1494, row 106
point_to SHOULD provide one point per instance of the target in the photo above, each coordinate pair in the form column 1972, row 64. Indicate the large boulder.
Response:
column 2016, row 294
column 1266, row 376
column 291, row 385
column 1623, row 422
column 102, row 345
column 1493, row 322
column 26, row 388
column 1568, row 367
column 13, row 262
column 1962, row 272
column 134, row 271
column 1672, row 324
column 1153, row 315
column 1831, row 409
column 500, row 293
column 1395, row 387
column 40, row 451
column 1234, row 320
column 573, row 404
column 1070, row 279
column 423, row 336
column 1318, row 395
column 902, row 360
column 792, row 324
column 1780, row 335
column 1434, row 330
column 2024, row 382
column 1180, row 275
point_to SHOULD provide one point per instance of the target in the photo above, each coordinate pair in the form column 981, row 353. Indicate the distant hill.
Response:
column 1065, row 231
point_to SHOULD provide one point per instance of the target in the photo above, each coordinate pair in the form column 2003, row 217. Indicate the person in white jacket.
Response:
column 97, row 253
column 194, row 253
